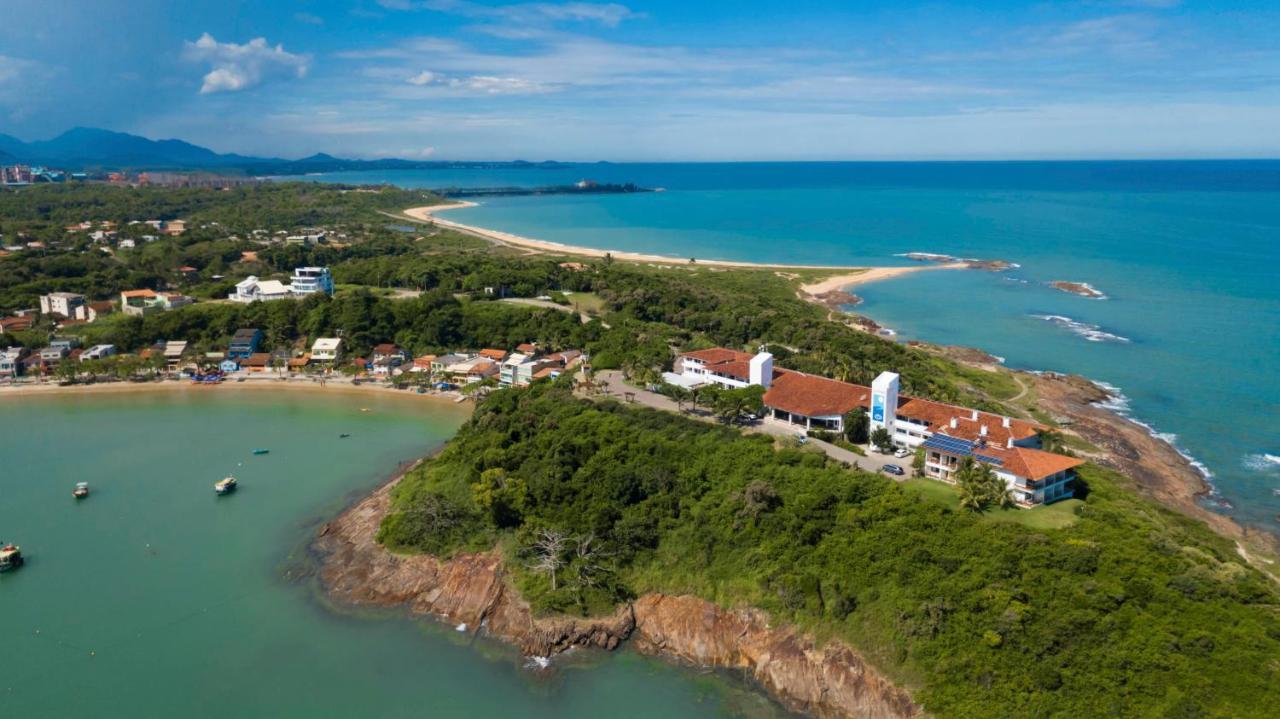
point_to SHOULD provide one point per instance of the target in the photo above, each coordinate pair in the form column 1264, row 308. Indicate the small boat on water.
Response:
column 81, row 491
column 225, row 486
column 344, row 435
column 10, row 557
column 261, row 451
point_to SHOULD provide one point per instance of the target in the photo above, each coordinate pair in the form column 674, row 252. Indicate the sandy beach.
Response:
column 848, row 275
column 256, row 384
column 871, row 274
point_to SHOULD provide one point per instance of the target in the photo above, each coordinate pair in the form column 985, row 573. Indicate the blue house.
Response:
column 229, row 365
column 244, row 343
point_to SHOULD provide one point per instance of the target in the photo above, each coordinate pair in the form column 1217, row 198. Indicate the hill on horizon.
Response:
column 87, row 148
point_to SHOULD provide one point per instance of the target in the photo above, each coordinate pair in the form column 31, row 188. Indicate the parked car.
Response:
column 893, row 469
column 902, row 452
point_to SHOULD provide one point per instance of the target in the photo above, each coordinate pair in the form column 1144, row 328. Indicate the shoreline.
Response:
column 473, row 593
column 859, row 275
column 332, row 386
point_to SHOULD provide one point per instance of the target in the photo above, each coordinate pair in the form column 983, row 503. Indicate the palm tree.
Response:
column 971, row 497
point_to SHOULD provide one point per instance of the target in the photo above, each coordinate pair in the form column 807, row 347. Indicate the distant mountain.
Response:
column 86, row 148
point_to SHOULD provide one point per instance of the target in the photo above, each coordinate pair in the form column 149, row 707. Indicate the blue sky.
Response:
column 679, row 80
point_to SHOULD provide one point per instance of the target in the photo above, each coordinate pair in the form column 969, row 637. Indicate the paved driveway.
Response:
column 615, row 387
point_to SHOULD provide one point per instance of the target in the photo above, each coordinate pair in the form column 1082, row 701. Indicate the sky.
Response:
column 677, row 80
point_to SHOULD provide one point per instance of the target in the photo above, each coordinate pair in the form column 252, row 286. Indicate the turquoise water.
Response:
column 1188, row 254
column 154, row 598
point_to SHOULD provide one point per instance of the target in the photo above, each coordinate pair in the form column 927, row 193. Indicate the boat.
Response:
column 10, row 557
column 344, row 435
column 225, row 486
column 261, row 451
column 81, row 491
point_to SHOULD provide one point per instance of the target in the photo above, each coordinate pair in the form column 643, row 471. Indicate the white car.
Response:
column 901, row 453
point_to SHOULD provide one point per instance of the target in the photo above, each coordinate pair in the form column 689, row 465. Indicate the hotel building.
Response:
column 1010, row 446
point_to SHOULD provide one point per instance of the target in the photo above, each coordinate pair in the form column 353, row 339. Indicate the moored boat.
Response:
column 261, row 451
column 225, row 486
column 10, row 557
column 81, row 491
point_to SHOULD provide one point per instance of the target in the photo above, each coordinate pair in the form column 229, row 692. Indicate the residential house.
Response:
column 175, row 227
column 188, row 272
column 97, row 352
column 310, row 280
column 94, row 310
column 493, row 354
column 251, row 289
column 139, row 303
column 326, row 349
column 62, row 304
column 11, row 361
column 53, row 355
column 229, row 365
column 257, row 362
column 422, row 364
column 472, row 369
column 439, row 364
column 388, row 356
column 173, row 352
column 527, row 348
column 15, row 324
column 244, row 343
column 65, row 343
column 519, row 368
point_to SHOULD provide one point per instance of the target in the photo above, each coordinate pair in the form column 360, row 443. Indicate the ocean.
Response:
column 1187, row 255
column 155, row 598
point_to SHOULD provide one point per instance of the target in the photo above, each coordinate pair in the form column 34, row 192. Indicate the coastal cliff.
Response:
column 828, row 681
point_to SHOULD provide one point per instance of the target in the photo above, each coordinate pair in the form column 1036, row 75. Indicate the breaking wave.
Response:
column 1263, row 462
column 1118, row 402
column 1091, row 332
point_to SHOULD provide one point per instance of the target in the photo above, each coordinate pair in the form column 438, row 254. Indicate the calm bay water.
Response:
column 1188, row 254
column 154, row 598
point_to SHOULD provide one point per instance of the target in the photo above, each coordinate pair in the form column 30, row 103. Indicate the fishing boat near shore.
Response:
column 261, row 451
column 225, row 486
column 81, row 491
column 10, row 557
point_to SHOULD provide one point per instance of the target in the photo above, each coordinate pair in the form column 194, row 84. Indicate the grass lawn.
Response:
column 1051, row 516
column 588, row 302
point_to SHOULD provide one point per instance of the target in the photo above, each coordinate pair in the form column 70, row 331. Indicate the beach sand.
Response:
column 257, row 384
column 848, row 275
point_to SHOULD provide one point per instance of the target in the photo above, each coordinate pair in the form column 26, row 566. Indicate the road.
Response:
column 614, row 386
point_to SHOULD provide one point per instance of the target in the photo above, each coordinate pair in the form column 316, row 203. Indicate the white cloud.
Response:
column 308, row 18
column 480, row 84
column 239, row 67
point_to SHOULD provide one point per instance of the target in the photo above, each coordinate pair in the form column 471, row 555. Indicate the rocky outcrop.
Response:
column 828, row 681
column 471, row 589
column 1084, row 289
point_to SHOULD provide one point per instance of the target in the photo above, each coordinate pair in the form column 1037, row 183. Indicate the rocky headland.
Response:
column 828, row 680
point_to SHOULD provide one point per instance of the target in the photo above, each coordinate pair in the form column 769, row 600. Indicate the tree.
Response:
column 680, row 395
column 917, row 462
column 857, row 426
column 882, row 440
column 548, row 551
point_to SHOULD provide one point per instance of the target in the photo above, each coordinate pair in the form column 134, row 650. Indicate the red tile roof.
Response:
column 493, row 354
column 814, row 396
column 939, row 416
column 257, row 359
column 716, row 355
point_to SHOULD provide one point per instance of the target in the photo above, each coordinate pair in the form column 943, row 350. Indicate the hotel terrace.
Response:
column 948, row 434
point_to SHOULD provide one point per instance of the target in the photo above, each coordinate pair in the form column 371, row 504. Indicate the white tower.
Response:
column 761, row 370
column 884, row 401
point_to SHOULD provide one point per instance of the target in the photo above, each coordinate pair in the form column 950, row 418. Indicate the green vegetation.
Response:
column 1131, row 610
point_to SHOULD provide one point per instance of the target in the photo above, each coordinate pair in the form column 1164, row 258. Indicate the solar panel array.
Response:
column 989, row 460
column 952, row 445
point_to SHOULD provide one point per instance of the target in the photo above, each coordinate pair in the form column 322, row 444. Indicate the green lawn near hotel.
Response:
column 1047, row 516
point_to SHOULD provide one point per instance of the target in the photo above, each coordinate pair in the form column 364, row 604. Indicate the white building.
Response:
column 310, row 280
column 251, row 289
column 63, row 304
column 98, row 352
column 326, row 349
